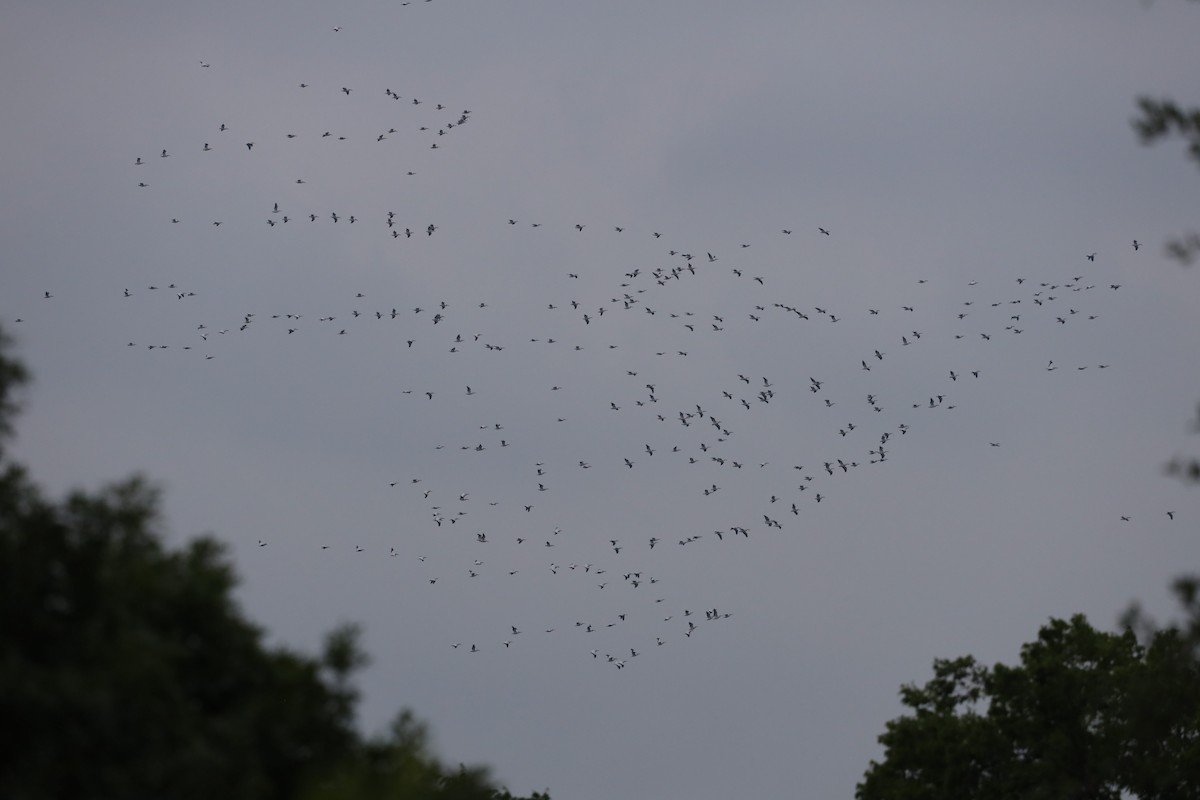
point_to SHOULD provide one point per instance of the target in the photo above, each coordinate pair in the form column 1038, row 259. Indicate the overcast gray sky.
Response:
column 965, row 160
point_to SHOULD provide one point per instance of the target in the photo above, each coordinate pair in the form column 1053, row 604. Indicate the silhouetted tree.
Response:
column 1164, row 119
column 401, row 766
column 12, row 377
column 127, row 670
column 1086, row 715
column 1184, row 467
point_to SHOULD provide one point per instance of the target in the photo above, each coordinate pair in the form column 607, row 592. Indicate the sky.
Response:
column 760, row 359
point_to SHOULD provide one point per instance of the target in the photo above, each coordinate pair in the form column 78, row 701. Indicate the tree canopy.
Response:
column 1160, row 119
column 1183, row 466
column 12, row 377
column 1086, row 714
column 128, row 670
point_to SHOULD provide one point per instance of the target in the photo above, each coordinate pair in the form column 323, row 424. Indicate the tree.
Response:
column 128, row 670
column 1187, row 468
column 12, row 377
column 400, row 766
column 1164, row 119
column 1086, row 714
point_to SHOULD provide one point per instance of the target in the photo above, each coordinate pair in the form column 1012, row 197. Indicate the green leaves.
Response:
column 1085, row 714
column 343, row 656
column 128, row 670
column 1187, row 468
column 1163, row 119
column 399, row 766
column 131, row 671
column 13, row 376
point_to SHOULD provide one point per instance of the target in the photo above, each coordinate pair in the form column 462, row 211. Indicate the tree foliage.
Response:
column 1187, row 468
column 1164, row 119
column 399, row 766
column 12, row 377
column 1086, row 714
column 1161, row 119
column 128, row 670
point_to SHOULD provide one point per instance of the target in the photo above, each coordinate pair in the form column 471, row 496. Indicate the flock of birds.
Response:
column 656, row 334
